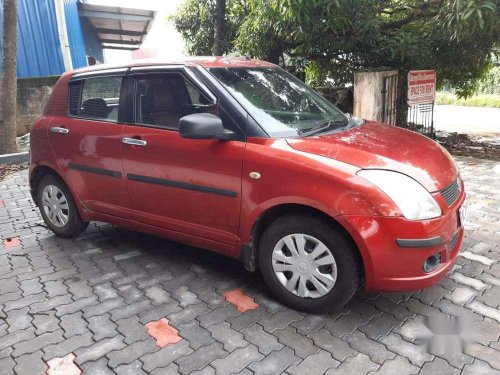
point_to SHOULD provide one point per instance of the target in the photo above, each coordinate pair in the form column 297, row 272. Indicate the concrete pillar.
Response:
column 368, row 87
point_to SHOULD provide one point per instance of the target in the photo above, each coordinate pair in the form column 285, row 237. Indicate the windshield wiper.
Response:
column 320, row 128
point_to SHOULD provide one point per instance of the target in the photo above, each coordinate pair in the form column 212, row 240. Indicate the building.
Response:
column 59, row 35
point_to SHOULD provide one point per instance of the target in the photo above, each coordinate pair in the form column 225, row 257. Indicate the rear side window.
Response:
column 95, row 98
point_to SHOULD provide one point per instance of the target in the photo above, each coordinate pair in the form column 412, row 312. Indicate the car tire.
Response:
column 299, row 280
column 58, row 207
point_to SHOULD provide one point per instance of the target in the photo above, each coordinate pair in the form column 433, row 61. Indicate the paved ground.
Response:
column 117, row 301
column 467, row 120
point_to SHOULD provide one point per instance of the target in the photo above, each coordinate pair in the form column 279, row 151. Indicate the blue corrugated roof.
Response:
column 39, row 51
column 75, row 34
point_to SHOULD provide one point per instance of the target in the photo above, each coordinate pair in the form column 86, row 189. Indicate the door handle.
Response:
column 134, row 142
column 58, row 129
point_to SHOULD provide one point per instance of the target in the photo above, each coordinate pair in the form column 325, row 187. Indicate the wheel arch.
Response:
column 249, row 252
column 36, row 176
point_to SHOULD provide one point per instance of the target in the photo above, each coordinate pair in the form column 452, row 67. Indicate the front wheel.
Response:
column 58, row 208
column 308, row 263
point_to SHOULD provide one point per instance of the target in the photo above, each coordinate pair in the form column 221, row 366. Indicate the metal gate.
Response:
column 420, row 118
column 391, row 98
column 396, row 111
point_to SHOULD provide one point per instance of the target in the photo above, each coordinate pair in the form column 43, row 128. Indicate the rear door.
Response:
column 87, row 142
column 185, row 185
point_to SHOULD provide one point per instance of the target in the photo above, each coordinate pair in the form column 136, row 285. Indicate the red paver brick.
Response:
column 240, row 300
column 163, row 332
column 1, row 203
column 11, row 242
column 63, row 366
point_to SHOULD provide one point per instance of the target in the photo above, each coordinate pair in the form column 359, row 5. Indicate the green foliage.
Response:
column 195, row 21
column 446, row 98
column 330, row 39
column 490, row 84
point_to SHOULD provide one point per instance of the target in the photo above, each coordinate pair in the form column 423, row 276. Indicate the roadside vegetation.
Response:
column 325, row 41
column 482, row 100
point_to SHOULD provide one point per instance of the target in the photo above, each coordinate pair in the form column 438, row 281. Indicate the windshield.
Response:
column 279, row 102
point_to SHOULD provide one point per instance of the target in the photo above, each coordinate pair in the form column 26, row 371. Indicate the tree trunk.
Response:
column 220, row 28
column 8, row 83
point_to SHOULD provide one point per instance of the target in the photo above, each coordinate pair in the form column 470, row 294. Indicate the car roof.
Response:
column 204, row 61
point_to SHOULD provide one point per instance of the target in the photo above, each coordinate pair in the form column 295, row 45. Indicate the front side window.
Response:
column 162, row 99
column 95, row 98
column 279, row 102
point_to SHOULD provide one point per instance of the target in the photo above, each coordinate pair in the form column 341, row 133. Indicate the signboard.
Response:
column 421, row 86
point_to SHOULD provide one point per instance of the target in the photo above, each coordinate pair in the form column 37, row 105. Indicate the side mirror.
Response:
column 202, row 126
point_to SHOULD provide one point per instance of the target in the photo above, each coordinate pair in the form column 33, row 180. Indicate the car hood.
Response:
column 376, row 145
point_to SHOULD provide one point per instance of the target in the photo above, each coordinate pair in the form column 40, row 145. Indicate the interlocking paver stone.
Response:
column 237, row 360
column 478, row 368
column 163, row 332
column 132, row 329
column 301, row 345
column 63, row 366
column 415, row 354
column 359, row 364
column 92, row 297
column 195, row 334
column 7, row 366
column 338, row 348
column 379, row 326
column 266, row 342
column 438, row 366
column 188, row 313
column 46, row 322
column 275, row 363
column 230, row 338
column 397, row 366
column 165, row 355
column 377, row 352
column 67, row 346
column 30, row 364
column 249, row 318
column 102, row 326
column 99, row 367
column 315, row 364
column 37, row 343
column 200, row 358
column 131, row 352
column 99, row 349
column 18, row 319
column 157, row 295
column 73, row 324
column 280, row 320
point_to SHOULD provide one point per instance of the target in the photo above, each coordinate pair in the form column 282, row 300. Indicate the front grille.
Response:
column 451, row 193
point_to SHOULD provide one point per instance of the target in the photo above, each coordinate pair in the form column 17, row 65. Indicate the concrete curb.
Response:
column 18, row 158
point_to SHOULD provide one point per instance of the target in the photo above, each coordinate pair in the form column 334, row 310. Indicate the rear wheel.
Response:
column 58, row 207
column 308, row 263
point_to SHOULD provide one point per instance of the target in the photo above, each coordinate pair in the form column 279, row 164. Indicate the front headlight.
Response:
column 414, row 201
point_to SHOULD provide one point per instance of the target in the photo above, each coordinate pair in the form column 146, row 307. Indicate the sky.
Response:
column 162, row 41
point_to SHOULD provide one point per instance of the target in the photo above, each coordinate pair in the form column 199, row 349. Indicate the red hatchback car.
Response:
column 240, row 157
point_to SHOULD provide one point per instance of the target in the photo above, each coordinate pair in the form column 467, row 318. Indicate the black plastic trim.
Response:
column 248, row 257
column 182, row 185
column 424, row 242
column 101, row 171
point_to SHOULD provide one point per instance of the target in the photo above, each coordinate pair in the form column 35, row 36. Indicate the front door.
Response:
column 87, row 144
column 185, row 185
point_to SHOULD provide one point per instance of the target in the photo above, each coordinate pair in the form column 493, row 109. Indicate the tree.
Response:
column 333, row 38
column 219, row 28
column 8, row 82
column 195, row 21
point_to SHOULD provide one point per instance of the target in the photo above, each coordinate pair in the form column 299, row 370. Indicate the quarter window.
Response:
column 95, row 98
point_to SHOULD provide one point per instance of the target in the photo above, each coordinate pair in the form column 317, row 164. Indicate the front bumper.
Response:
column 389, row 266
